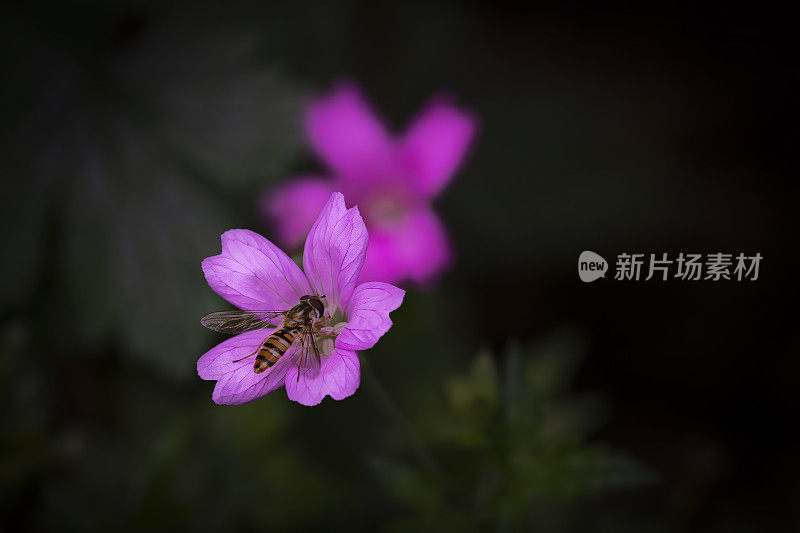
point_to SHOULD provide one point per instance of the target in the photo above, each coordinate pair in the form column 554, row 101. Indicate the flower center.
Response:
column 328, row 328
column 385, row 208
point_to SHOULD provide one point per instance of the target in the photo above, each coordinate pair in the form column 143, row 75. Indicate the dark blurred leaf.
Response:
column 141, row 161
column 233, row 120
column 132, row 254
column 505, row 460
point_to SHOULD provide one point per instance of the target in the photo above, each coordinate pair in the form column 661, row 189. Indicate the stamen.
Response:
column 327, row 346
column 331, row 309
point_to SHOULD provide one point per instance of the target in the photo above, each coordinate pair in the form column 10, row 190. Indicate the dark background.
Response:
column 135, row 133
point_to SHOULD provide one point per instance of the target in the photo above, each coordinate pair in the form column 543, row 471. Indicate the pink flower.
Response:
column 394, row 180
column 253, row 274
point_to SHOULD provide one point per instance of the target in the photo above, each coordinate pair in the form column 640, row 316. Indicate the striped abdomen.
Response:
column 273, row 348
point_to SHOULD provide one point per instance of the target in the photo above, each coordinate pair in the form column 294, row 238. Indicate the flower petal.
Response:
column 335, row 251
column 339, row 377
column 253, row 274
column 294, row 207
column 348, row 135
column 368, row 315
column 435, row 145
column 237, row 383
column 417, row 249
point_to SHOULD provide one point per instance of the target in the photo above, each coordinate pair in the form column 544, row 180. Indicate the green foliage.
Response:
column 135, row 171
column 512, row 445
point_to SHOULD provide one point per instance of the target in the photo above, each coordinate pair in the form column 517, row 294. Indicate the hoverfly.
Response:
column 298, row 322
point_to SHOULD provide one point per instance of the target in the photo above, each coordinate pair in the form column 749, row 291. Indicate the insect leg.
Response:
column 302, row 350
column 308, row 358
column 252, row 354
column 311, row 360
column 302, row 359
column 314, row 345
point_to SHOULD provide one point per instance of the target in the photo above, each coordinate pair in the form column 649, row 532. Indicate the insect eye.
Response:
column 317, row 304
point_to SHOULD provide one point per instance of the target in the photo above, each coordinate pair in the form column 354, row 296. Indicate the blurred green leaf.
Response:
column 505, row 460
column 226, row 116
column 144, row 160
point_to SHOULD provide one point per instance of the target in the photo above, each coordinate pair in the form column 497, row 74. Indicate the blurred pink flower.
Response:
column 253, row 274
column 394, row 180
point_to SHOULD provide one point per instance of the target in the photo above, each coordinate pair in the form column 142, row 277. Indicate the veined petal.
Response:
column 294, row 207
column 237, row 383
column 339, row 377
column 435, row 145
column 417, row 248
column 347, row 134
column 335, row 250
column 368, row 315
column 253, row 274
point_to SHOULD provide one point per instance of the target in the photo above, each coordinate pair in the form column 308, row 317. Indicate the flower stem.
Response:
column 390, row 406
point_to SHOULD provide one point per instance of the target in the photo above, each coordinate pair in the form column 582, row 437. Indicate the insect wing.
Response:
column 235, row 322
column 307, row 357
